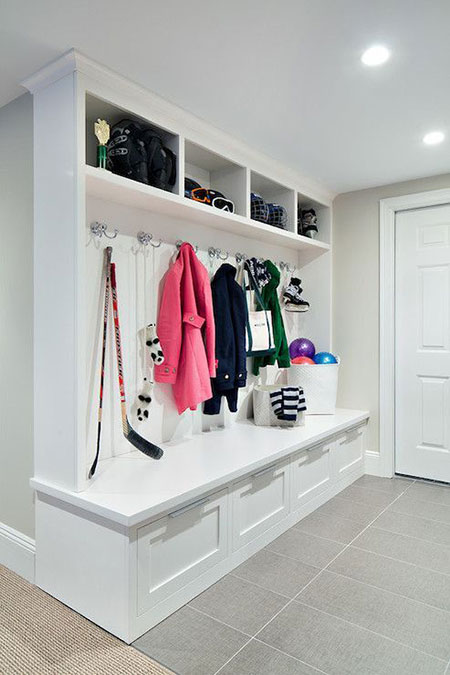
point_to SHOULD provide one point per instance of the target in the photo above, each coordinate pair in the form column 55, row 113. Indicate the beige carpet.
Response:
column 40, row 635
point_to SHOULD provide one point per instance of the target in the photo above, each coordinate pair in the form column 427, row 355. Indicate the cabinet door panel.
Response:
column 260, row 501
column 311, row 474
column 175, row 549
column 349, row 451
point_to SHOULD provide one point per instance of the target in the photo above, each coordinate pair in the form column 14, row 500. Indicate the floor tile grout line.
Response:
column 360, row 501
column 232, row 657
column 263, row 588
column 152, row 658
column 280, row 651
column 385, row 590
column 238, row 630
column 410, row 536
column 334, row 541
column 370, row 630
column 310, row 582
column 447, row 670
column 431, row 520
column 262, row 628
column 289, row 557
column 404, row 562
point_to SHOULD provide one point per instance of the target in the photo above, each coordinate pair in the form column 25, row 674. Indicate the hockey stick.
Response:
column 130, row 434
column 108, row 252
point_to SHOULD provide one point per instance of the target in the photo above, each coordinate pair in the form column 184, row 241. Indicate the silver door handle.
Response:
column 263, row 471
column 183, row 509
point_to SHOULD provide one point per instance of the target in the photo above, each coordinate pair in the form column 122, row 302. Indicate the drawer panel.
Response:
column 311, row 474
column 260, row 501
column 179, row 547
column 349, row 450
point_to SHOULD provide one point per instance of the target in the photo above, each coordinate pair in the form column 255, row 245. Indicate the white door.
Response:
column 422, row 349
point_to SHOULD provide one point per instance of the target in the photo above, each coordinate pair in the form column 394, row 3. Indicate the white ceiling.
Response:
column 285, row 76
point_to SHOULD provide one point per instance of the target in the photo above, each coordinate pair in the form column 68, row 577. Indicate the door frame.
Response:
column 388, row 210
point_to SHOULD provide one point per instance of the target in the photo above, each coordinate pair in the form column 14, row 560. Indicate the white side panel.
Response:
column 56, row 259
column 83, row 561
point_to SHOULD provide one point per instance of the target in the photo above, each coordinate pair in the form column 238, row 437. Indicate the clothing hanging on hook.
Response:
column 187, row 332
column 270, row 297
column 230, row 316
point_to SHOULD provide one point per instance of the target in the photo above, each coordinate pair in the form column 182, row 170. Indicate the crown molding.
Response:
column 52, row 72
column 74, row 61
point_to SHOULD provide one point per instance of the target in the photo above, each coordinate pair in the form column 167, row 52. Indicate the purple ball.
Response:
column 301, row 347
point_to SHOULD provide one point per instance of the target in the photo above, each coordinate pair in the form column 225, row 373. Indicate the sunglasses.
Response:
column 212, row 198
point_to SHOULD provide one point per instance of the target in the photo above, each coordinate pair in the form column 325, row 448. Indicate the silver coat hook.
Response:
column 240, row 257
column 217, row 253
column 285, row 266
column 145, row 238
column 179, row 242
column 101, row 229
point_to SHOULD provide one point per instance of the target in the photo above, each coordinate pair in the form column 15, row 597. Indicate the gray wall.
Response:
column 356, row 292
column 16, row 311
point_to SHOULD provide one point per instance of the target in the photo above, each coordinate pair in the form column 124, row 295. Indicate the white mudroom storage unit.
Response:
column 138, row 540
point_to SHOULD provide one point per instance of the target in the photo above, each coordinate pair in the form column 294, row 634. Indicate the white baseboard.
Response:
column 372, row 463
column 17, row 552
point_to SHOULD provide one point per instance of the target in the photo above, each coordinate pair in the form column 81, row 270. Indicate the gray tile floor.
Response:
column 361, row 586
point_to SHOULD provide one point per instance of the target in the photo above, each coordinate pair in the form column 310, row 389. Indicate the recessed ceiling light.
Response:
column 433, row 138
column 375, row 56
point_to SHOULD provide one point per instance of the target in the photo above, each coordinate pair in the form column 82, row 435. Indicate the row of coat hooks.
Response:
column 146, row 238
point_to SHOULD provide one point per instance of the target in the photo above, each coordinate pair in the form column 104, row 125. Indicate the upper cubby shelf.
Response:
column 212, row 170
column 106, row 185
column 215, row 172
column 99, row 108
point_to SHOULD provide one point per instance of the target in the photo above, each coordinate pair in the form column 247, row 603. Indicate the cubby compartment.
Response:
column 216, row 172
column 99, row 108
column 323, row 214
column 276, row 193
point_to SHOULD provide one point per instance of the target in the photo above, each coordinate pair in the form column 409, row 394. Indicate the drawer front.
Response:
column 260, row 501
column 311, row 474
column 350, row 451
column 179, row 547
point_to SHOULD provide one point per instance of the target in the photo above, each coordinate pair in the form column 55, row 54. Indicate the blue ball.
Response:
column 324, row 357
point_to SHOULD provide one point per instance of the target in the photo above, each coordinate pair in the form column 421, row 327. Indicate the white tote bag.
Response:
column 259, row 332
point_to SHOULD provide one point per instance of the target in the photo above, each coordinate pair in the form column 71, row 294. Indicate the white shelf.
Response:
column 132, row 488
column 108, row 186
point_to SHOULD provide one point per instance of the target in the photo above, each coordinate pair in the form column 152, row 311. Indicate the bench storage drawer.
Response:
column 311, row 474
column 349, row 451
column 179, row 547
column 260, row 501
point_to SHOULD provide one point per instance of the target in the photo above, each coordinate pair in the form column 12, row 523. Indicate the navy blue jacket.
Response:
column 230, row 316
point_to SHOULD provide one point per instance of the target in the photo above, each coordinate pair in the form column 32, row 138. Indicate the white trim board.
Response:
column 388, row 210
column 17, row 552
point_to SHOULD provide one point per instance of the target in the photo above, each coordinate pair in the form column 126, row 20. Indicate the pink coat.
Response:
column 186, row 331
